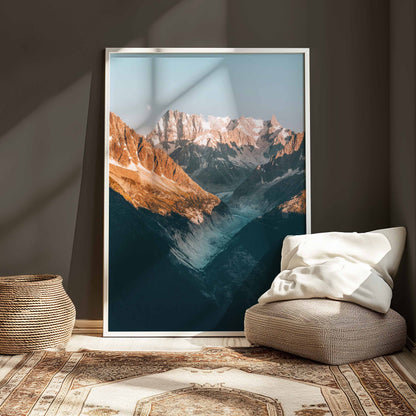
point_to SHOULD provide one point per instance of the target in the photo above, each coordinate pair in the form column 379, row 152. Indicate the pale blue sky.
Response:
column 144, row 87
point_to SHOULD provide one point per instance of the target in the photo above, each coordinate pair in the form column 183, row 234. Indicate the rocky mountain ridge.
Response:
column 219, row 153
column 148, row 178
column 176, row 128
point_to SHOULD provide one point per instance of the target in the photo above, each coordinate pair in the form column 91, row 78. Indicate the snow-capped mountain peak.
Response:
column 219, row 151
column 178, row 126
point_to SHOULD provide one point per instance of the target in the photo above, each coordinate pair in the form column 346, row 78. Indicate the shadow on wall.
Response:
column 40, row 162
column 52, row 149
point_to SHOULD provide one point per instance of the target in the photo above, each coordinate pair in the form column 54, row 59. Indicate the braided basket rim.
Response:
column 31, row 280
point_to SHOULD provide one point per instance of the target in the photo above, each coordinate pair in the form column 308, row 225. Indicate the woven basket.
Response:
column 35, row 313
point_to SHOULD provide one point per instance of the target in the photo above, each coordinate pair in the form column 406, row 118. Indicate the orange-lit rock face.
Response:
column 291, row 145
column 148, row 178
column 297, row 204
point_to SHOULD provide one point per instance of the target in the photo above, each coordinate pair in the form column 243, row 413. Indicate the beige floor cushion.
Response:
column 329, row 331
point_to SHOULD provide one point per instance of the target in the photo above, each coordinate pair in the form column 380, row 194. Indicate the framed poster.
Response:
column 206, row 171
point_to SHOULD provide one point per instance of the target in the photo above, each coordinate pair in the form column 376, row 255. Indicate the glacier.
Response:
column 196, row 247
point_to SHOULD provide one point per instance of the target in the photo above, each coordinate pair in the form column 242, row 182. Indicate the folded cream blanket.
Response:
column 354, row 267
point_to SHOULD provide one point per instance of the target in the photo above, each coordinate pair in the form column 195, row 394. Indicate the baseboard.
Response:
column 411, row 345
column 88, row 326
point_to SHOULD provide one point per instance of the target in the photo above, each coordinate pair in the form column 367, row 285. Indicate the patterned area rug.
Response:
column 214, row 381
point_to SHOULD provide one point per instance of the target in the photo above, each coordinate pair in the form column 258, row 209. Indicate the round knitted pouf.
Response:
column 35, row 313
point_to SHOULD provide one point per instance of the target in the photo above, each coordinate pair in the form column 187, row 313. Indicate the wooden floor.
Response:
column 407, row 360
column 96, row 342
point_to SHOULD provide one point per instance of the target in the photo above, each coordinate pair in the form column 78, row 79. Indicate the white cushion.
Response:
column 354, row 267
column 397, row 239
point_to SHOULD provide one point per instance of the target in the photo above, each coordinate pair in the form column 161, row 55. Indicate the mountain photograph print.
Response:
column 206, row 161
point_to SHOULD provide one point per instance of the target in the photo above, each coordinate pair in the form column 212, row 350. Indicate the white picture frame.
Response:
column 155, row 51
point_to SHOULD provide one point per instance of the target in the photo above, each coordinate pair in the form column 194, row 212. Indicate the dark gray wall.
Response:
column 51, row 135
column 403, row 148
